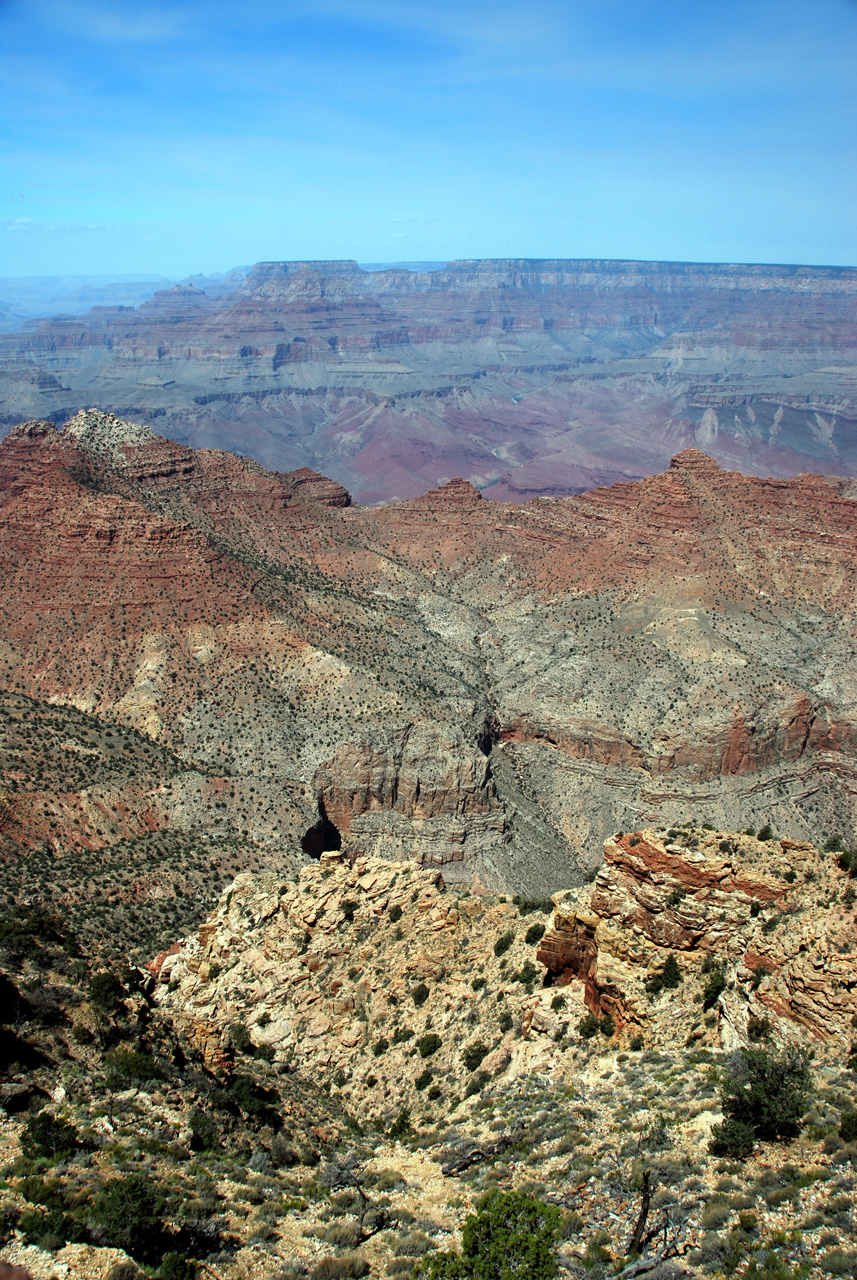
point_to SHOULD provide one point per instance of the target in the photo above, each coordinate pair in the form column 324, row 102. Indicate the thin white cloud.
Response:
column 116, row 23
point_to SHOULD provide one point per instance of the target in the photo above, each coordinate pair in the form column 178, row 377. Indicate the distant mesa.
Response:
column 550, row 376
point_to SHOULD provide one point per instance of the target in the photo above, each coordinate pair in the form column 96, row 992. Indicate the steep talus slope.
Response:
column 487, row 688
column 526, row 376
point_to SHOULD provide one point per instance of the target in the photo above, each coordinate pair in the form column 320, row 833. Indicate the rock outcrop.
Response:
column 367, row 974
column 759, row 931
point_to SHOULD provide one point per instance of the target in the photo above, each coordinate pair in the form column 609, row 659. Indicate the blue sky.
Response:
column 189, row 136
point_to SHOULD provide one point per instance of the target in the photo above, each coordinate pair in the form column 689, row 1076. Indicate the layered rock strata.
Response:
column 525, row 376
column 487, row 688
column 763, row 933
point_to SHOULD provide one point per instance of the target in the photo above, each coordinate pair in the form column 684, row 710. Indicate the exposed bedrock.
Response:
column 763, row 944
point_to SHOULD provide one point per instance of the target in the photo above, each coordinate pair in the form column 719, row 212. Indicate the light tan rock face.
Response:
column 377, row 979
column 769, row 915
column 344, row 973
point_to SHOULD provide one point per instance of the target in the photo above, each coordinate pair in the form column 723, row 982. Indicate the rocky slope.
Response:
column 525, row 376
column 243, row 668
column 326, row 1077
column 376, row 978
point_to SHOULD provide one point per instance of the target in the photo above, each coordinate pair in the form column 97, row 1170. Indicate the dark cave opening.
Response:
column 488, row 734
column 322, row 836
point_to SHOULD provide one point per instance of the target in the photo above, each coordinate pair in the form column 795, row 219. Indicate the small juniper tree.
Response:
column 510, row 1237
column 763, row 1096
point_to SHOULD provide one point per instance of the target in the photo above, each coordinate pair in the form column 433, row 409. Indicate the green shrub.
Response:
column 848, row 1126
column 503, row 943
column 763, row 1095
column 49, row 1137
column 557, row 1003
column 420, row 994
column 474, row 1053
column 240, row 1037
column 125, row 1067
column 204, row 1131
column 402, row 1034
column 105, row 992
column 176, row 1267
column 401, row 1126
column 588, row 1026
column 423, row 1080
column 732, row 1138
column 607, row 1026
column 429, row 1044
column 636, row 1043
column 715, row 985
column 253, row 1100
column 766, row 833
column 395, row 913
column 50, row 1228
column 126, row 1215
column 380, row 1046
column 671, row 974
column 505, row 1021
column 510, row 1237
column 534, row 934
column 348, row 908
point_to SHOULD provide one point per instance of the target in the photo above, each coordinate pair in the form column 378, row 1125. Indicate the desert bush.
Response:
column 204, row 1131
column 588, row 1026
column 126, row 1215
column 49, row 1137
column 105, row 992
column 125, row 1067
column 848, row 1126
column 176, row 1267
column 732, row 1138
column 420, row 994
column 715, row 985
column 400, row 1127
column 534, row 934
column 715, row 1215
column 503, row 943
column 429, row 1044
column 395, row 913
column 349, row 1268
column 510, row 1237
column 474, row 1053
column 763, row 1095
column 400, row 1266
